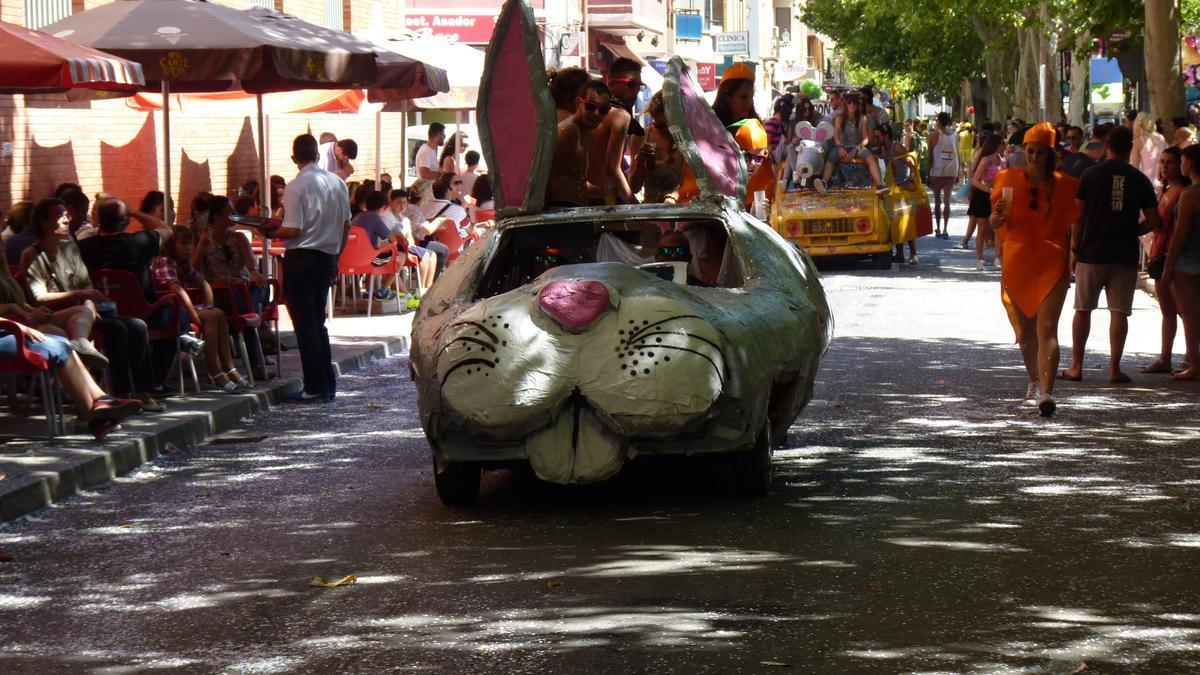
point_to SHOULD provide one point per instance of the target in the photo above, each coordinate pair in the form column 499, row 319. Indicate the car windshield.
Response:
column 526, row 252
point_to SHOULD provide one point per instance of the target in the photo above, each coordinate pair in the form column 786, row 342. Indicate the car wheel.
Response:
column 457, row 482
column 883, row 261
column 754, row 470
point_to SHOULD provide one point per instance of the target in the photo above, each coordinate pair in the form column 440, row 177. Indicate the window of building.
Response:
column 333, row 14
column 40, row 13
column 783, row 19
column 717, row 13
column 269, row 4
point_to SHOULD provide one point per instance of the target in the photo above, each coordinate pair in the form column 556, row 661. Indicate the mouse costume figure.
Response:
column 556, row 341
column 806, row 160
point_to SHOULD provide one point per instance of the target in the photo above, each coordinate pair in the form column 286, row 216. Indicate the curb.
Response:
column 88, row 468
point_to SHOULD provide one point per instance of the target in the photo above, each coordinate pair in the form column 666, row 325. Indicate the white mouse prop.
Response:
column 806, row 159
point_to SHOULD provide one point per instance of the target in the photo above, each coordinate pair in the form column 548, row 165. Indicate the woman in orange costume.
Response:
column 1033, row 209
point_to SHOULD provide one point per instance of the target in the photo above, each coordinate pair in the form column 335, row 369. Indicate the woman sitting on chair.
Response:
column 173, row 273
column 223, row 256
column 96, row 411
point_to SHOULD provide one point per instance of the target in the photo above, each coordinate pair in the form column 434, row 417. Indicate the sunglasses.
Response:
column 675, row 251
column 630, row 82
column 599, row 108
column 457, row 182
column 544, row 259
column 1033, row 194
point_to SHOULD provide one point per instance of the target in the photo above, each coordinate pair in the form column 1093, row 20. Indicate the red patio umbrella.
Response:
column 33, row 62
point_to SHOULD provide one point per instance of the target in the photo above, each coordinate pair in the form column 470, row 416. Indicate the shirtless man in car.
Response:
column 607, row 150
column 569, row 184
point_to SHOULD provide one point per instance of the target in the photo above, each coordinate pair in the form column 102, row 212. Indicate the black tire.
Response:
column 883, row 261
column 457, row 482
column 754, row 469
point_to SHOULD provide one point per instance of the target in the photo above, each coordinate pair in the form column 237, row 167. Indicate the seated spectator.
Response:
column 358, row 197
column 661, row 186
column 154, row 204
column 675, row 247
column 77, row 210
column 74, row 322
column 398, row 222
column 173, row 273
column 481, row 195
column 89, row 229
column 198, row 220
column 277, row 186
column 370, row 221
column 95, row 411
column 223, row 256
column 58, row 279
column 423, row 228
column 851, row 134
column 18, row 220
column 114, row 248
column 440, row 201
column 471, row 172
column 25, row 232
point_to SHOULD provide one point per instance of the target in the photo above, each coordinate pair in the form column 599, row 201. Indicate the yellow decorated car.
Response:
column 852, row 220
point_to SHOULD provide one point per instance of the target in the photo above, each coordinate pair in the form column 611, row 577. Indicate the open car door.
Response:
column 711, row 153
column 517, row 123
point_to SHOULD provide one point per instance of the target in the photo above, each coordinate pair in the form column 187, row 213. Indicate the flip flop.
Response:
column 1121, row 378
column 1064, row 375
column 1157, row 367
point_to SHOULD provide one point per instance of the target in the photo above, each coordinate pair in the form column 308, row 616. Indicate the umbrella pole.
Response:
column 378, row 147
column 264, row 187
column 169, row 206
column 404, row 145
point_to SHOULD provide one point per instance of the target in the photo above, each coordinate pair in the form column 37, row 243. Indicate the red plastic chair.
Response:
column 356, row 259
column 229, row 297
column 449, row 235
column 123, row 288
column 27, row 362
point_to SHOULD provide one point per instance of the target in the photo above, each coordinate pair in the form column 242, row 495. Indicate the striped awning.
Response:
column 33, row 62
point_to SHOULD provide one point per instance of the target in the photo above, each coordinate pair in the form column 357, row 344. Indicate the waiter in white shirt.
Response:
column 428, row 166
column 316, row 225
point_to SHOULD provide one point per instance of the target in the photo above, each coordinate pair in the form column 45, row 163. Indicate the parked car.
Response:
column 558, row 341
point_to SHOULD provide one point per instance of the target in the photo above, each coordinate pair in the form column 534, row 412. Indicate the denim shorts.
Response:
column 54, row 349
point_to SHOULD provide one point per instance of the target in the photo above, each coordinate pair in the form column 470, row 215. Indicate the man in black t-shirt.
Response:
column 1112, row 196
column 113, row 248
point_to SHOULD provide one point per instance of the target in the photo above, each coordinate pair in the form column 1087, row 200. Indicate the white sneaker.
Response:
column 1031, row 394
column 819, row 184
column 92, row 358
column 979, row 265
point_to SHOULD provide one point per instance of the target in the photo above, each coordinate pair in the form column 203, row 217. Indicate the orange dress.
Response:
column 1036, row 242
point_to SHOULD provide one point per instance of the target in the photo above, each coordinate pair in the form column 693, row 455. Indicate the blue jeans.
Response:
column 307, row 277
column 54, row 349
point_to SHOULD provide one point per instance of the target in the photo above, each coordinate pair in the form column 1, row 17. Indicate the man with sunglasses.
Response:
column 618, row 133
column 569, row 178
column 1075, row 161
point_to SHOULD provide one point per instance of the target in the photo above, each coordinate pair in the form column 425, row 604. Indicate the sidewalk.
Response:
column 39, row 471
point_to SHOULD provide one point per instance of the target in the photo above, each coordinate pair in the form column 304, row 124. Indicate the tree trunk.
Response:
column 1162, row 64
column 968, row 101
column 1029, row 101
column 1048, row 42
column 1080, row 91
column 1000, row 59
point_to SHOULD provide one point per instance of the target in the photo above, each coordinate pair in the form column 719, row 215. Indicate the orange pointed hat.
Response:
column 1042, row 132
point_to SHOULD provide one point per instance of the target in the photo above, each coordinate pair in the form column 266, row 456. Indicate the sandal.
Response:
column 1159, row 366
column 229, row 387
column 235, row 377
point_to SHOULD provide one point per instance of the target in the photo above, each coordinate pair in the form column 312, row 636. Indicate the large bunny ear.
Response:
column 805, row 131
column 824, row 132
column 711, row 153
column 517, row 123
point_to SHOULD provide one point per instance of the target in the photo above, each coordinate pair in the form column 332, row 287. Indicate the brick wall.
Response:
column 105, row 146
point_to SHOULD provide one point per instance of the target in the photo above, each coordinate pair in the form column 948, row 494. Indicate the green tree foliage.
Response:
column 916, row 47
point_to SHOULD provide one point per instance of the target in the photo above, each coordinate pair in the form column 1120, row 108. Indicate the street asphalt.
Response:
column 921, row 521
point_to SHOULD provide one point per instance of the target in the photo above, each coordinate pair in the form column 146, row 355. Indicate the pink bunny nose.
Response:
column 575, row 305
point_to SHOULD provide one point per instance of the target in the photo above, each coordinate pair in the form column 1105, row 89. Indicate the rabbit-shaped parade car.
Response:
column 556, row 341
